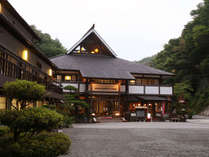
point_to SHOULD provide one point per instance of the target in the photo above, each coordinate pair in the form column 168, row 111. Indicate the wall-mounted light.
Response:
column 50, row 72
column 25, row 55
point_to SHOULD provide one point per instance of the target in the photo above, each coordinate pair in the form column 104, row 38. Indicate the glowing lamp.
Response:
column 96, row 50
column 68, row 78
column 92, row 52
column 78, row 51
column 25, row 55
column 117, row 114
column 82, row 49
column 50, row 72
column 149, row 116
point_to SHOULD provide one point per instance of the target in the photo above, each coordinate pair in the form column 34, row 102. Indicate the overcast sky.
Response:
column 133, row 28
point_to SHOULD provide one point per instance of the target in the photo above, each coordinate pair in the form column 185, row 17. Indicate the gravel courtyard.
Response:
column 139, row 139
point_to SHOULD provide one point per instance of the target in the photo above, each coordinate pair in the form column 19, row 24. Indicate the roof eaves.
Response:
column 13, row 10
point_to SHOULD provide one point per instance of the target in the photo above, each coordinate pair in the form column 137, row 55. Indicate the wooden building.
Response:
column 112, row 86
column 19, row 57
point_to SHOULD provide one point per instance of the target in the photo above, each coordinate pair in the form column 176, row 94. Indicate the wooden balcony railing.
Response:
column 115, row 88
column 14, row 67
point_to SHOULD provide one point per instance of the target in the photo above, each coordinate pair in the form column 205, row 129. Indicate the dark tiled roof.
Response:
column 104, row 67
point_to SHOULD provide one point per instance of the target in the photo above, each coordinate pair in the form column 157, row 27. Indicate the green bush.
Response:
column 4, row 130
column 24, row 91
column 68, row 121
column 41, row 145
column 31, row 121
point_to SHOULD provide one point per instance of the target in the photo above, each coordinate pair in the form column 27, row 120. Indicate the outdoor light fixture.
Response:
column 149, row 116
column 117, row 114
column 50, row 72
column 78, row 51
column 25, row 55
column 96, row 50
column 92, row 52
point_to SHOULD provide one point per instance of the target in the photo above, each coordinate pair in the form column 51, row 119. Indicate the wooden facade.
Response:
column 19, row 57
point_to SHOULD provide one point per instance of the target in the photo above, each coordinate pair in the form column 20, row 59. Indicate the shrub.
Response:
column 4, row 130
column 41, row 145
column 24, row 91
column 31, row 121
column 68, row 121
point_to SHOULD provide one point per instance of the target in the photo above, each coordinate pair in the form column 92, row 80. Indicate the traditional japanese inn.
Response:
column 113, row 86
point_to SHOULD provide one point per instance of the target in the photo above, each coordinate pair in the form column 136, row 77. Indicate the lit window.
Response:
column 82, row 49
column 25, row 55
column 67, row 78
column 50, row 72
column 59, row 77
column 0, row 8
column 2, row 103
column 132, row 81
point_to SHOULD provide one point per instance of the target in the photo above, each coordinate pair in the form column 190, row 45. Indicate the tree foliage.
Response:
column 73, row 105
column 188, row 57
column 24, row 91
column 50, row 47
column 31, row 121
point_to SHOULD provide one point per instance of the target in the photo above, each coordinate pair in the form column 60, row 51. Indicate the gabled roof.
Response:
column 99, row 38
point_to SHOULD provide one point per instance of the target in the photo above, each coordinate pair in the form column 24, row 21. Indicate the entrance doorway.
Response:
column 105, row 105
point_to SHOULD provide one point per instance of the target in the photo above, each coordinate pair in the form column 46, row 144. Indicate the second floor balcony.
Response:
column 95, row 88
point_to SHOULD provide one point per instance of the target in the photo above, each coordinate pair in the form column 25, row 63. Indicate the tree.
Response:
column 188, row 57
column 24, row 92
column 50, row 47
column 73, row 105
column 31, row 121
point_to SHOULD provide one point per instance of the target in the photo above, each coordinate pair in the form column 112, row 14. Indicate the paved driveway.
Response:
column 138, row 139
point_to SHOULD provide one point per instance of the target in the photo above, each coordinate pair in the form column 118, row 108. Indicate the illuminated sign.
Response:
column 105, row 87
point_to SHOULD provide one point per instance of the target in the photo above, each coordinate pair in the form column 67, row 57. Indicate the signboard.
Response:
column 140, row 113
column 105, row 87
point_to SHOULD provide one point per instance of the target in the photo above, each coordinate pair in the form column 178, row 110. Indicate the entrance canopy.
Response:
column 153, row 98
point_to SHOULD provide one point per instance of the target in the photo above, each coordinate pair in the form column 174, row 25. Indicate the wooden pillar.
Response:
column 78, row 79
column 127, row 87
